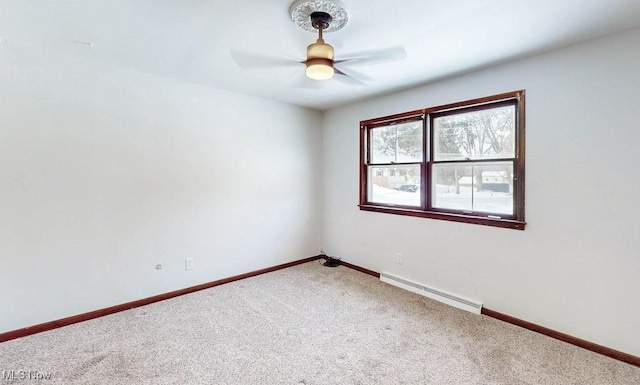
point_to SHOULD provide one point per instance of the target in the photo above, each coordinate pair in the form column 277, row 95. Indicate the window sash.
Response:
column 420, row 186
column 510, row 187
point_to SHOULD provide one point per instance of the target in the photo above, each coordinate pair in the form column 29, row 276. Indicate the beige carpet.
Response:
column 305, row 325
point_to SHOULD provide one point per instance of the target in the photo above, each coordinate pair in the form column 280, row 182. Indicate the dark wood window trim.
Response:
column 426, row 115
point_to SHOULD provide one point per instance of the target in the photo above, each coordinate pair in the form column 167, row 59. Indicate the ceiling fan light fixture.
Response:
column 320, row 69
column 320, row 61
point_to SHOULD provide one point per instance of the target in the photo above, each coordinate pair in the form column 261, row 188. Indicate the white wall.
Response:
column 105, row 173
column 576, row 267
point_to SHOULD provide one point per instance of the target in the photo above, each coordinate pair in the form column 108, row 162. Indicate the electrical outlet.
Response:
column 189, row 264
column 399, row 258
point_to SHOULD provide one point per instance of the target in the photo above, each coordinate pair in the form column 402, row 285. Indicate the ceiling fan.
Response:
column 323, row 16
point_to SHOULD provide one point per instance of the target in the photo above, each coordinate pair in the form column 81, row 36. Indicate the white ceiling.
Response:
column 191, row 40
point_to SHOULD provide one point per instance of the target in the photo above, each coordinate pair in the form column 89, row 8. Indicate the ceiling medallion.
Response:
column 301, row 12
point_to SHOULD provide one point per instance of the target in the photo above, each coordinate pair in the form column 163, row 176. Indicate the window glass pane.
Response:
column 396, row 185
column 481, row 187
column 476, row 135
column 399, row 143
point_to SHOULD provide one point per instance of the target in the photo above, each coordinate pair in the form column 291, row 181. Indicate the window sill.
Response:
column 495, row 222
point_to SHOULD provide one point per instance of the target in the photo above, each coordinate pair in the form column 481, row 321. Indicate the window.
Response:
column 461, row 162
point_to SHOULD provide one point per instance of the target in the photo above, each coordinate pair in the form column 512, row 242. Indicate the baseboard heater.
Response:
column 432, row 293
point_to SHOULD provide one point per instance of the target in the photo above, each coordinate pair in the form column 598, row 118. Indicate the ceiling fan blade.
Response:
column 353, row 73
column 349, row 78
column 250, row 61
column 374, row 56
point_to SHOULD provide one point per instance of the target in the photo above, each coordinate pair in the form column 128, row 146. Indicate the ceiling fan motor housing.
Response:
column 320, row 61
